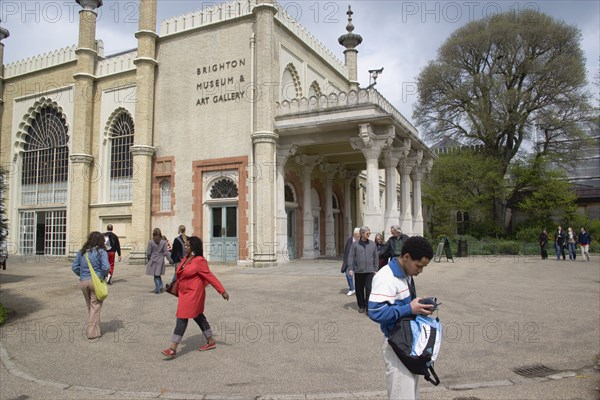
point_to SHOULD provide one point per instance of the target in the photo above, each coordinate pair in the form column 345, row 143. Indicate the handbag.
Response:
column 100, row 286
column 172, row 288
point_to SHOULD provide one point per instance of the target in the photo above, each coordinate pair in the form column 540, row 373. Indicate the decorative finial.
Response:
column 350, row 40
column 4, row 33
column 350, row 27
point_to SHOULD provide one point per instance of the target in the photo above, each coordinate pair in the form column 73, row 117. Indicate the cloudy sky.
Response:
column 401, row 36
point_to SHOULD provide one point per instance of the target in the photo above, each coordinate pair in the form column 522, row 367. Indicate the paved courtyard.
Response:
column 290, row 332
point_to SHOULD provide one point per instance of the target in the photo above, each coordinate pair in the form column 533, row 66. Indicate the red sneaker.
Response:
column 169, row 353
column 208, row 346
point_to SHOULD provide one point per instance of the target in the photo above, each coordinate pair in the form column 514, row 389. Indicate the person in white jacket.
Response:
column 394, row 296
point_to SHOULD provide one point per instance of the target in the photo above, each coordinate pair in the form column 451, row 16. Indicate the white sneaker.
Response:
column 350, row 292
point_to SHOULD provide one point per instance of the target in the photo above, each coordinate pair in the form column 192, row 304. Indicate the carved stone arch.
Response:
column 315, row 90
column 291, row 68
column 24, row 127
column 110, row 123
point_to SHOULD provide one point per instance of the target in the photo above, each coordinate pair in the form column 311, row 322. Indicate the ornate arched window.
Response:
column 45, row 159
column 121, row 159
column 165, row 195
column 224, row 189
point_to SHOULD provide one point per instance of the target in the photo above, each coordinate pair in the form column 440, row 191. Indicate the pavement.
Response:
column 290, row 332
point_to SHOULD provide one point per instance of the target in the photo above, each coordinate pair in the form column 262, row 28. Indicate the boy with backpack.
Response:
column 393, row 296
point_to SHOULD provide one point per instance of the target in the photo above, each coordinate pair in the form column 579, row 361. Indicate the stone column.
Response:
column 417, row 176
column 307, row 164
column 78, row 219
column 143, row 149
column 3, row 35
column 391, row 158
column 264, row 138
column 348, row 224
column 330, row 171
column 371, row 146
column 406, row 223
column 350, row 40
column 283, row 153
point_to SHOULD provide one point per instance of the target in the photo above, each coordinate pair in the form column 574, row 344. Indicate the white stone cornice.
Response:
column 148, row 60
column 80, row 158
column 83, row 75
column 86, row 50
column 285, row 152
column 426, row 165
column 369, row 143
column 142, row 150
column 145, row 32
column 264, row 137
column 308, row 161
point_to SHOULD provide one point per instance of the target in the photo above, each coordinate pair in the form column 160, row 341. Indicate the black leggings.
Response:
column 182, row 323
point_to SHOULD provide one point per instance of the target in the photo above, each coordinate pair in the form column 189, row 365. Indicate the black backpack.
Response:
column 416, row 340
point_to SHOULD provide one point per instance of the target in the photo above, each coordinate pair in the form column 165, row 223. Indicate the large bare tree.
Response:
column 502, row 81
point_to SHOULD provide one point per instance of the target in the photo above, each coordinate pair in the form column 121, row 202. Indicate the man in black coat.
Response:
column 395, row 242
column 113, row 246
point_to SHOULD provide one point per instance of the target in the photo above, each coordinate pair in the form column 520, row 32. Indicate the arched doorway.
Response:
column 223, row 217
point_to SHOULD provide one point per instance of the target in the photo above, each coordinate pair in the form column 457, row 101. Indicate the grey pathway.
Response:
column 290, row 332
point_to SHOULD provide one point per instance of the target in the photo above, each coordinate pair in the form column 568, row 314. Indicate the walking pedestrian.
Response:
column 584, row 242
column 355, row 236
column 98, row 258
column 362, row 263
column 113, row 246
column 193, row 275
column 156, row 253
column 543, row 240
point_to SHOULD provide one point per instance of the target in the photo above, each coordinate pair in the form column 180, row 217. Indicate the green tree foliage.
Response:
column 497, row 81
column 465, row 181
column 540, row 191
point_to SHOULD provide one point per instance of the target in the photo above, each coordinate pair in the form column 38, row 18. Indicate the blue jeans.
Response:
column 158, row 284
column 572, row 251
column 350, row 280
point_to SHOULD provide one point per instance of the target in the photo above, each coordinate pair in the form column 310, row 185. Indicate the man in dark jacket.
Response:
column 111, row 241
column 395, row 242
column 362, row 263
column 178, row 251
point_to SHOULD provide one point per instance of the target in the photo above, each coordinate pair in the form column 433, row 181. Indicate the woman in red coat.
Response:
column 193, row 275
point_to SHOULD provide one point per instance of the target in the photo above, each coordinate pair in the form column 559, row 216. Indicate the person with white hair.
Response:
column 362, row 263
column 395, row 242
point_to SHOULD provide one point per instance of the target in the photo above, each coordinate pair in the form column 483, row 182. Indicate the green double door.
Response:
column 224, row 233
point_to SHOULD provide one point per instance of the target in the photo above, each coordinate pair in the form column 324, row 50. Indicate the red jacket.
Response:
column 192, row 280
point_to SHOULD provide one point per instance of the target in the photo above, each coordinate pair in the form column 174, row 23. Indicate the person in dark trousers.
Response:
column 362, row 263
column 381, row 250
column 543, row 240
column 395, row 242
column 111, row 241
column 394, row 296
column 560, row 242
column 178, row 249
column 345, row 270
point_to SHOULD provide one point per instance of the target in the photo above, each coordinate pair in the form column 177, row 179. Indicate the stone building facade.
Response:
column 234, row 121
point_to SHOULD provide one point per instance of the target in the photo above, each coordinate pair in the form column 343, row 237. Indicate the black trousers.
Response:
column 182, row 323
column 363, row 283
